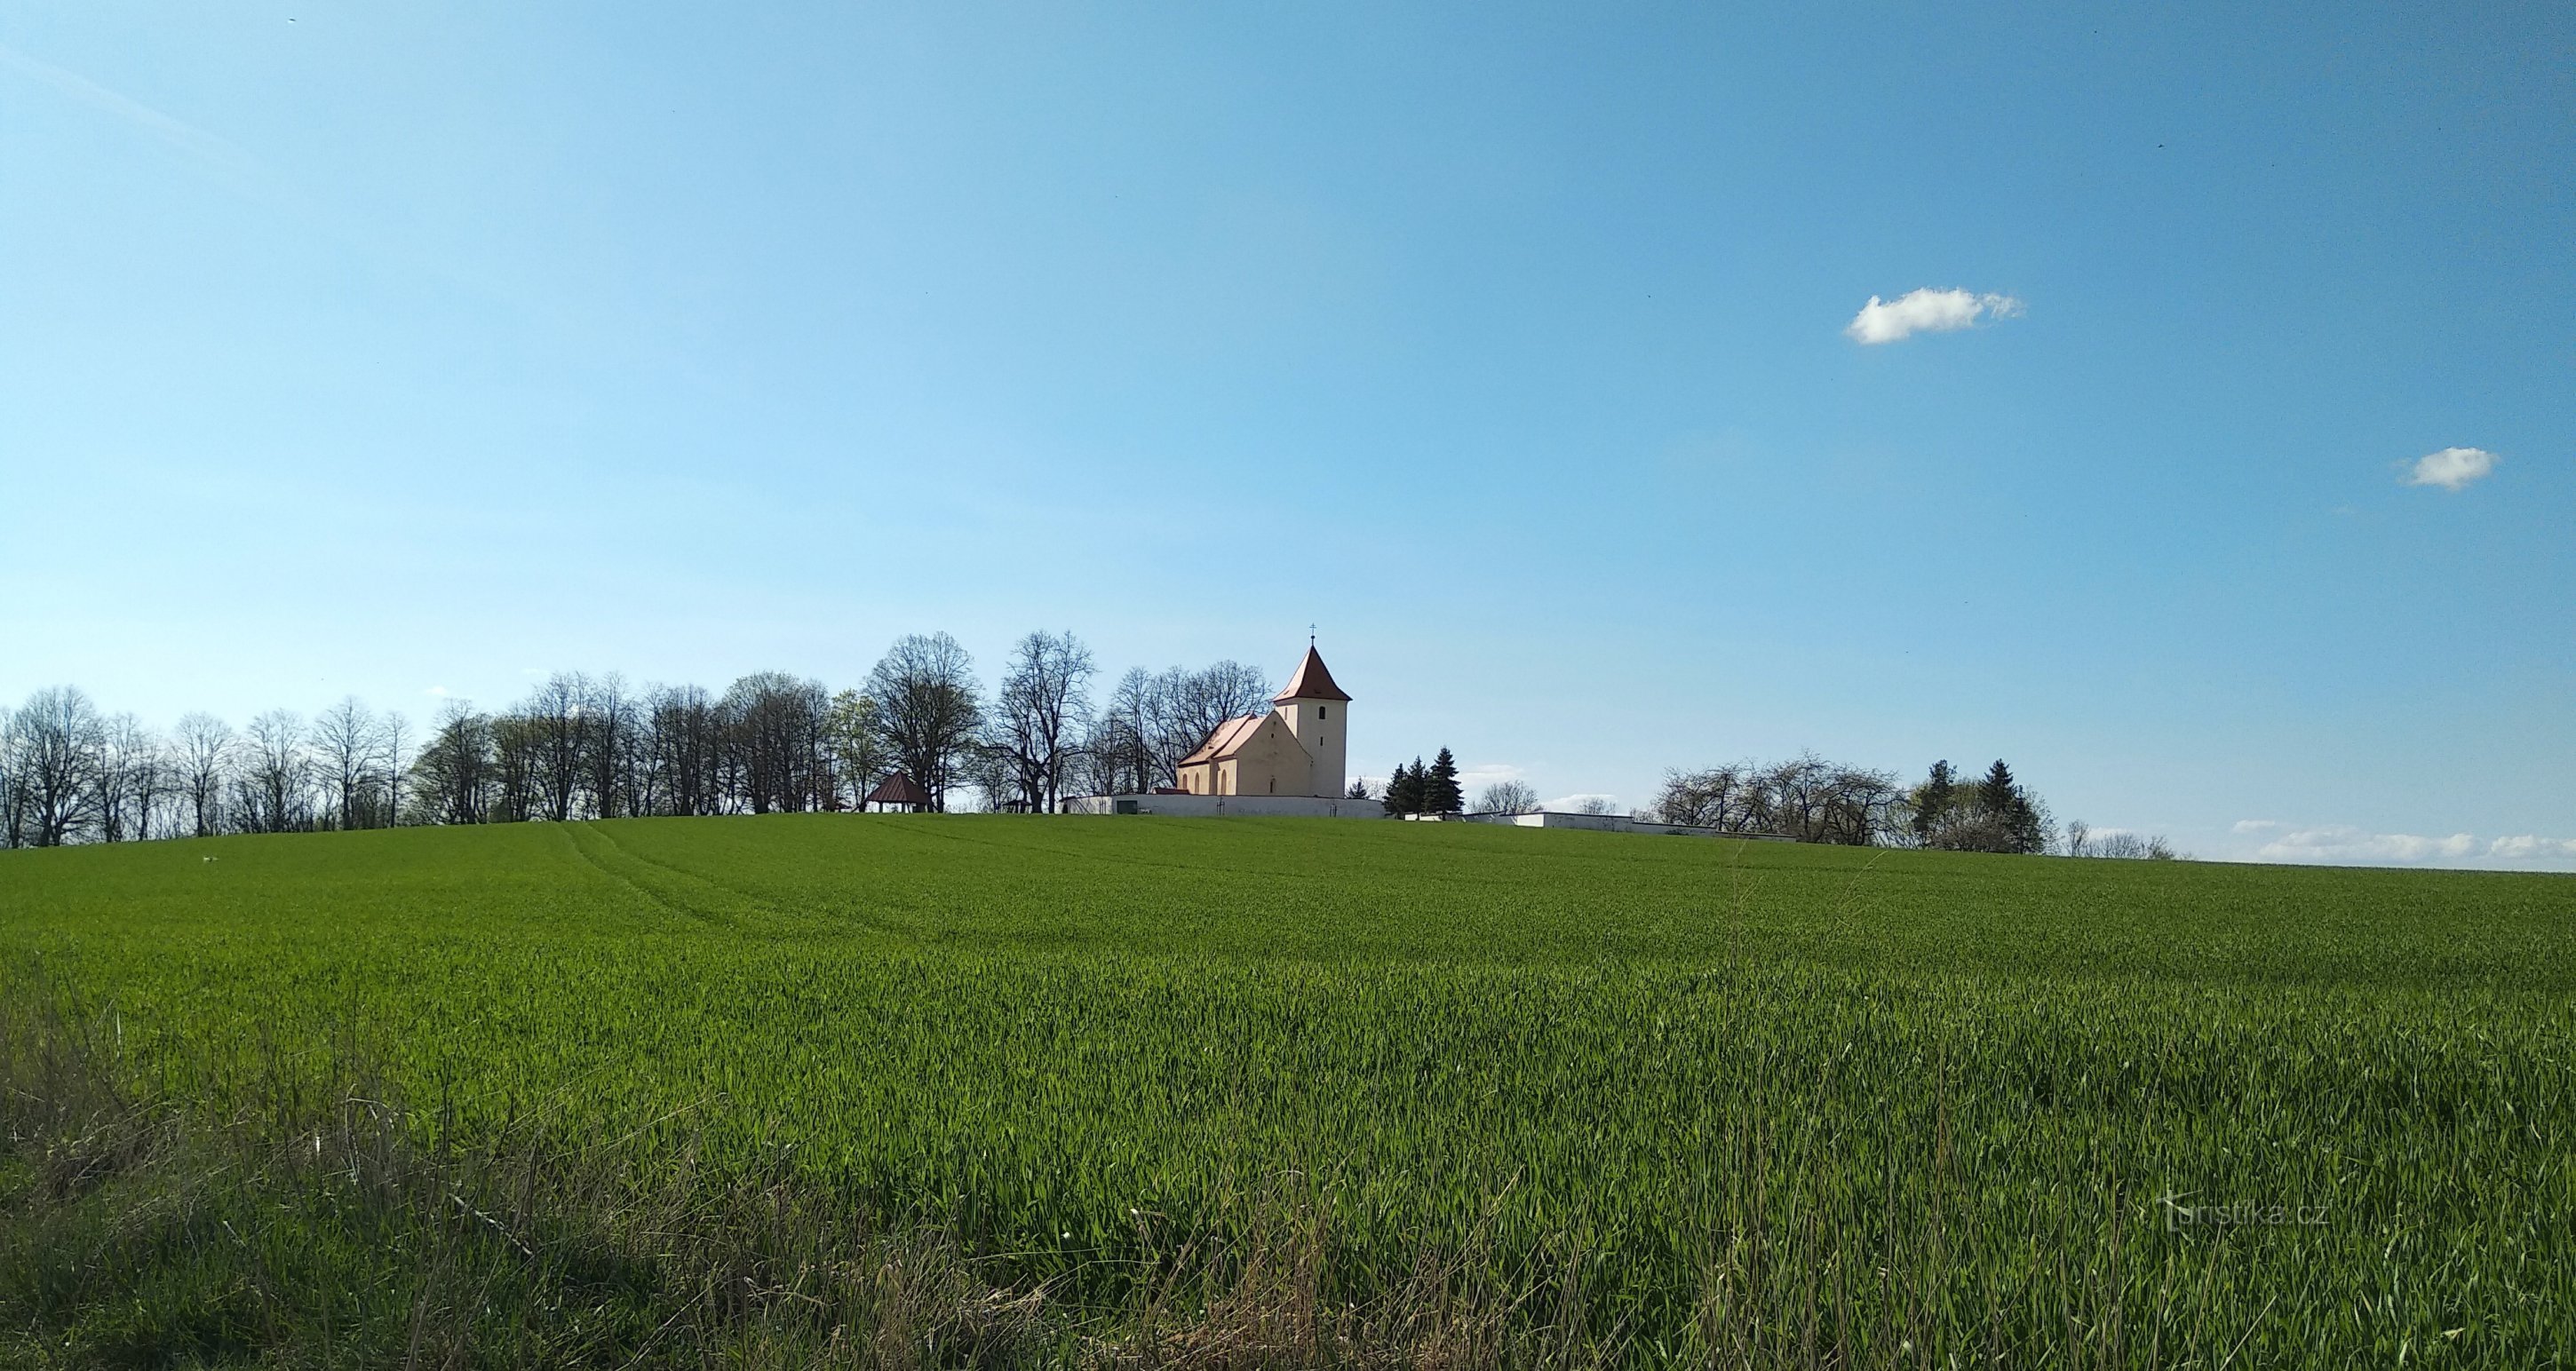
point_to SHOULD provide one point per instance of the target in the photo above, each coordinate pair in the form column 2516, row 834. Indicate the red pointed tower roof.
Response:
column 1312, row 681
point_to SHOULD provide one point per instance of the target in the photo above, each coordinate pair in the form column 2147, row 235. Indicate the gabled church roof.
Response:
column 1312, row 681
column 1228, row 739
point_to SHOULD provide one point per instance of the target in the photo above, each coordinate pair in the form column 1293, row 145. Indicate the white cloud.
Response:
column 1926, row 311
column 438, row 692
column 2345, row 843
column 1574, row 802
column 2452, row 467
column 1483, row 774
column 2528, row 848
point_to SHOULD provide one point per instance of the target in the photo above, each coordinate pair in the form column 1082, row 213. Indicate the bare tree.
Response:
column 687, row 750
column 858, row 750
column 1805, row 797
column 1182, row 707
column 155, row 782
column 453, row 776
column 555, row 739
column 345, row 750
column 273, row 790
column 927, row 709
column 393, row 760
column 777, row 727
column 1039, row 712
column 611, row 748
column 13, row 782
column 1507, row 797
column 59, row 741
column 204, row 757
column 1722, row 797
column 987, row 772
column 148, row 773
column 519, row 788
column 124, row 764
column 2117, row 843
column 1117, row 752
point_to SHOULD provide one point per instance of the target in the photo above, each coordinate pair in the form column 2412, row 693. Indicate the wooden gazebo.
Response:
column 897, row 792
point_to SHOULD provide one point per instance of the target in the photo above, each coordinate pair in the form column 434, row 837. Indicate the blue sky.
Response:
column 383, row 352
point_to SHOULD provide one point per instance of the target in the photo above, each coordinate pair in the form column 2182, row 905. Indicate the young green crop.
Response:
column 1740, row 1100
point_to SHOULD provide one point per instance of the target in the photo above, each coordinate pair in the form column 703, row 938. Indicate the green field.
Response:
column 1647, row 1099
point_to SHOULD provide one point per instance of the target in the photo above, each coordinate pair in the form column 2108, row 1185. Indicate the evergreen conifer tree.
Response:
column 1404, row 788
column 2011, row 818
column 1934, row 800
column 1996, row 793
column 1440, row 792
column 2027, row 830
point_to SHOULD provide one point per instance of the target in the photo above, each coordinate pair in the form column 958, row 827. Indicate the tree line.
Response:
column 1813, row 800
column 1807, row 799
column 585, row 746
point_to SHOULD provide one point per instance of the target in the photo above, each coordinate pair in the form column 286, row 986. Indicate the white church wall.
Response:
column 1227, row 806
column 1612, row 823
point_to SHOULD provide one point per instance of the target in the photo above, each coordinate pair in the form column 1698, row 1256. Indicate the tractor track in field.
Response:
column 573, row 837
column 752, row 913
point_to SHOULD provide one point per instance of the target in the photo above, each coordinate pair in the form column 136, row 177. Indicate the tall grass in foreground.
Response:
column 699, row 1094
column 1815, row 1216
column 333, row 1228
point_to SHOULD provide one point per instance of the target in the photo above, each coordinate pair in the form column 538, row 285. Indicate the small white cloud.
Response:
column 2528, row 848
column 1574, row 803
column 1926, row 311
column 1483, row 774
column 437, row 692
column 2451, row 468
column 2258, row 825
column 2344, row 843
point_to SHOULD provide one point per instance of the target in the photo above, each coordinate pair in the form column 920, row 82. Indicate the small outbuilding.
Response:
column 898, row 793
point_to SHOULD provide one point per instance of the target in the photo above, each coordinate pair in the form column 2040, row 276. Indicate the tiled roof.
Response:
column 897, row 789
column 1228, row 738
column 1312, row 681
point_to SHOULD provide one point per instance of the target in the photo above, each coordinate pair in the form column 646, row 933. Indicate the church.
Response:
column 1290, row 760
column 1295, row 748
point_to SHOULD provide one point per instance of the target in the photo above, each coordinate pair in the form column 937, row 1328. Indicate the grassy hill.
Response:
column 1180, row 1089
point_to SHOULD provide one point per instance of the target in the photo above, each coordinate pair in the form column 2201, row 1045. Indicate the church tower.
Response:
column 1318, row 712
